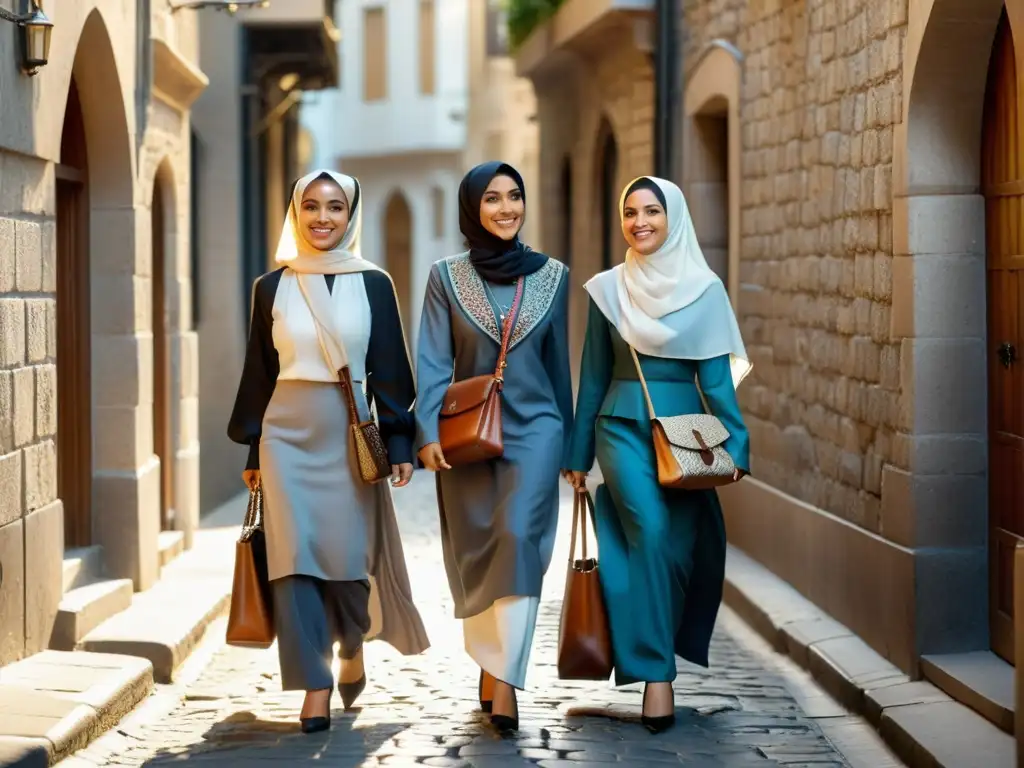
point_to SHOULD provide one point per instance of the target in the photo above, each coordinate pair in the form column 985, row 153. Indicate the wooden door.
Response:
column 1003, row 186
column 74, row 399
column 163, row 443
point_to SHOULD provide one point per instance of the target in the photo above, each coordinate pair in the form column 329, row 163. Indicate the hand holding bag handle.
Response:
column 584, row 639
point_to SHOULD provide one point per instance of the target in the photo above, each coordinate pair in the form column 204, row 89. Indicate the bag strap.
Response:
column 506, row 332
column 344, row 374
column 581, row 504
column 643, row 382
column 647, row 393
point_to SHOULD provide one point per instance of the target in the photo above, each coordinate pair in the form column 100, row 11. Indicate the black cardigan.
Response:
column 389, row 377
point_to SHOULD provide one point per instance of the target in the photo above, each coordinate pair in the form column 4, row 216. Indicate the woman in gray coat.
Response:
column 498, row 517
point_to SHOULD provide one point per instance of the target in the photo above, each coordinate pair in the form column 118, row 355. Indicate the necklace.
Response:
column 503, row 308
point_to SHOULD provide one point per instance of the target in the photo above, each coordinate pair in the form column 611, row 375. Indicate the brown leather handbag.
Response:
column 584, row 640
column 251, row 620
column 469, row 424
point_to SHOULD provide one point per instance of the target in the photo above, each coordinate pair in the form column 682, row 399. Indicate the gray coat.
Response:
column 498, row 518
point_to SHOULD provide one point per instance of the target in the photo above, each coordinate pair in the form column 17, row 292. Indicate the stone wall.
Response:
column 822, row 89
column 31, row 516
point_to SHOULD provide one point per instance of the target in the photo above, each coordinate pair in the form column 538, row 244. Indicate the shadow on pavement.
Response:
column 244, row 739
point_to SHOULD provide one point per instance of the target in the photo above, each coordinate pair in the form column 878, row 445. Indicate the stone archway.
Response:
column 398, row 253
column 124, row 472
column 713, row 143
column 937, row 508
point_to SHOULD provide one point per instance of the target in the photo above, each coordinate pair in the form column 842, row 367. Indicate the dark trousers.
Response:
column 310, row 615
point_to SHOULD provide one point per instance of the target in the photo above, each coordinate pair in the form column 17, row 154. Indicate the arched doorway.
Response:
column 709, row 198
column 398, row 253
column 1002, row 177
column 163, row 423
column 608, row 171
column 74, row 400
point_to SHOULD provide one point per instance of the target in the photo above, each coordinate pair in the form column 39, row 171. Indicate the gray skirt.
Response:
column 320, row 519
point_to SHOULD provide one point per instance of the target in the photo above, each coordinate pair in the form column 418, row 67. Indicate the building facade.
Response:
column 99, row 449
column 427, row 90
column 856, row 188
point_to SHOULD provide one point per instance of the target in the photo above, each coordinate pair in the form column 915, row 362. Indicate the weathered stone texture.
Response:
column 822, row 88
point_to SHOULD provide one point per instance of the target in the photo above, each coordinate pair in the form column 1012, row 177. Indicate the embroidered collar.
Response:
column 539, row 292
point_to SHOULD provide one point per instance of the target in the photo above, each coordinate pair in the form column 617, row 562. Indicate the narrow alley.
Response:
column 745, row 711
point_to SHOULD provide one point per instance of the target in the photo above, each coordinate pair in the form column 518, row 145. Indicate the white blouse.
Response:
column 294, row 331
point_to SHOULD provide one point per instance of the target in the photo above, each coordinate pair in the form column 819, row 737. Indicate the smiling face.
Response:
column 323, row 214
column 644, row 222
column 502, row 207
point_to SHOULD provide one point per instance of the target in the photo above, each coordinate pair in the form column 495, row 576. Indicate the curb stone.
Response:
column 920, row 723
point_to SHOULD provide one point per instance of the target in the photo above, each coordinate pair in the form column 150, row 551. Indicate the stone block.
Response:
column 44, row 576
column 12, row 592
column 49, row 248
column 110, row 685
column 6, row 412
column 84, row 608
column 36, row 329
column 125, row 524
column 12, row 332
column 949, row 616
column 29, row 255
column 945, row 734
column 11, row 496
column 46, row 400
column 24, row 380
column 40, row 474
column 8, row 270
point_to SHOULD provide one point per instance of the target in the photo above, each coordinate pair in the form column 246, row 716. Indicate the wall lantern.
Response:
column 231, row 6
column 35, row 37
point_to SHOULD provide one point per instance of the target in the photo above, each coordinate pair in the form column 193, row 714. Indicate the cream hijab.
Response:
column 670, row 303
column 310, row 264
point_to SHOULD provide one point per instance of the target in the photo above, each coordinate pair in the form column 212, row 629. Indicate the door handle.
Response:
column 1007, row 354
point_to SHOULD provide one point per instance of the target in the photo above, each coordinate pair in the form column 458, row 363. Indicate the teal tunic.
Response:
column 662, row 551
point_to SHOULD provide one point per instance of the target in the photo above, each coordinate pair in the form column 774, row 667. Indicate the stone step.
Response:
column 165, row 622
column 920, row 723
column 981, row 680
column 85, row 608
column 171, row 544
column 82, row 566
column 56, row 702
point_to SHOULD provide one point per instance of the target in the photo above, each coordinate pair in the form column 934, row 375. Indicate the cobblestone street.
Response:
column 422, row 710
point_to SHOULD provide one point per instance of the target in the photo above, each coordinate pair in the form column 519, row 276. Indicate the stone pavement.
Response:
column 422, row 710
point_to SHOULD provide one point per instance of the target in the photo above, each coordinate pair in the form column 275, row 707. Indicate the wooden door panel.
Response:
column 1003, row 186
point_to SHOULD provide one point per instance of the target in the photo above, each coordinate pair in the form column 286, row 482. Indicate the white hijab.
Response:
column 310, row 264
column 670, row 303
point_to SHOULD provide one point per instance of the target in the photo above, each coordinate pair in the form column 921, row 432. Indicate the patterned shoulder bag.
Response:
column 688, row 449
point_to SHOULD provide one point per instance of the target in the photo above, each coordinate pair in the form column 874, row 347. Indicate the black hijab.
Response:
column 496, row 260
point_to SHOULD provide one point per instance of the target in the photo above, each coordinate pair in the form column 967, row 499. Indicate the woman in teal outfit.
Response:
column 662, row 551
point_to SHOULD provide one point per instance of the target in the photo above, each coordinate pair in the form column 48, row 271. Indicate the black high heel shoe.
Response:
column 507, row 723
column 485, row 704
column 351, row 691
column 661, row 722
column 316, row 724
